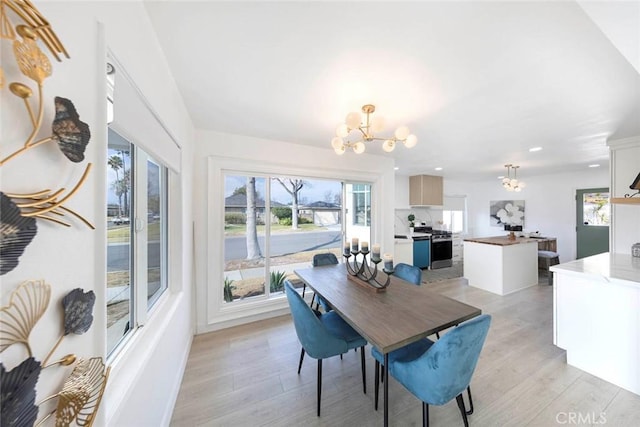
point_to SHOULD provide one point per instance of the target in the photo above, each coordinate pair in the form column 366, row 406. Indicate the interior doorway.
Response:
column 592, row 221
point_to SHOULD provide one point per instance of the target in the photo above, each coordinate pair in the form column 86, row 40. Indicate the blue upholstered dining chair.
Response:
column 322, row 336
column 408, row 272
column 437, row 372
column 320, row 260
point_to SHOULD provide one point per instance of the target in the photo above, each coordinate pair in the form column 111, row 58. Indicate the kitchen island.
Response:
column 596, row 316
column 500, row 265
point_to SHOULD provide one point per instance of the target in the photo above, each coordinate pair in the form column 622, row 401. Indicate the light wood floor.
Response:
column 246, row 376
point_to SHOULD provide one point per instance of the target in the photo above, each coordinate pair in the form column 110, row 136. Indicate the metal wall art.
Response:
column 71, row 134
column 80, row 396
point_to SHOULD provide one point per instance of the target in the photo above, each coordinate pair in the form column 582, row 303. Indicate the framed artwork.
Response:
column 506, row 212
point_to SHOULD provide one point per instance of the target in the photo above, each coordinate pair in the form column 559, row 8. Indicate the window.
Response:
column 361, row 204
column 595, row 208
column 273, row 224
column 454, row 214
column 137, row 228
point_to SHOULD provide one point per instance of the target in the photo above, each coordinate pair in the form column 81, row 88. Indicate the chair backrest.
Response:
column 408, row 272
column 324, row 259
column 445, row 370
column 312, row 334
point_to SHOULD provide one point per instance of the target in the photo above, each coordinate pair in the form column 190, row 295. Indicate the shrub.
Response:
column 276, row 284
column 303, row 220
column 235, row 218
column 228, row 289
column 285, row 221
column 281, row 212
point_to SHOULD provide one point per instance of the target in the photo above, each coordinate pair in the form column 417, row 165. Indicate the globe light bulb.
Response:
column 517, row 189
column 336, row 142
column 514, row 182
column 505, row 181
column 411, row 141
column 522, row 184
column 509, row 188
column 359, row 147
column 402, row 132
column 377, row 124
column 342, row 130
column 340, row 150
column 388, row 145
column 353, row 120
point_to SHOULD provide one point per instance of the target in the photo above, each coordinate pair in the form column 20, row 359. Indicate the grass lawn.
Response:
column 120, row 234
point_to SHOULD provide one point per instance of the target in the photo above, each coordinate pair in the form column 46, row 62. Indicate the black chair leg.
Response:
column 381, row 373
column 364, row 370
column 301, row 357
column 462, row 409
column 376, row 380
column 341, row 357
column 470, row 411
column 425, row 415
column 319, row 383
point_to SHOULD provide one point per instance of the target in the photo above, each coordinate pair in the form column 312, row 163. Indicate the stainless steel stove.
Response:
column 441, row 250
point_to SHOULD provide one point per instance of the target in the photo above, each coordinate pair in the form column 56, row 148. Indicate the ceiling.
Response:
column 479, row 83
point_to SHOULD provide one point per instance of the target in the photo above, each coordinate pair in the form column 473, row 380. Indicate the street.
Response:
column 236, row 247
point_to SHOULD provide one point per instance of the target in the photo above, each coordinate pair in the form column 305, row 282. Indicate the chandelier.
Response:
column 368, row 128
column 512, row 184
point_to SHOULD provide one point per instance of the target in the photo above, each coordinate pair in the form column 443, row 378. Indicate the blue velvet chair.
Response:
column 322, row 336
column 319, row 260
column 437, row 372
column 408, row 272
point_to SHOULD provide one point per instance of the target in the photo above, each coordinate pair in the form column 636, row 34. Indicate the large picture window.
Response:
column 272, row 225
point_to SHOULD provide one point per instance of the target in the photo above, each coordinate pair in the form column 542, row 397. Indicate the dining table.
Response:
column 401, row 314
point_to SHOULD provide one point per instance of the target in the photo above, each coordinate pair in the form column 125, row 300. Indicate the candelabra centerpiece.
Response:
column 362, row 272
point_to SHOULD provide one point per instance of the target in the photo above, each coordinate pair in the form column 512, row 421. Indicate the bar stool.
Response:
column 550, row 258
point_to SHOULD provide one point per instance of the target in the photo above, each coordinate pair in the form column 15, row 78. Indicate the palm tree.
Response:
column 116, row 164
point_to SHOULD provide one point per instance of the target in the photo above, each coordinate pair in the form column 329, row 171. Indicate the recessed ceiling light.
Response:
column 501, row 176
column 438, row 168
column 533, row 149
column 396, row 168
column 594, row 166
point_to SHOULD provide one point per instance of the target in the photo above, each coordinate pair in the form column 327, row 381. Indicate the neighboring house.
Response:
column 238, row 203
column 322, row 213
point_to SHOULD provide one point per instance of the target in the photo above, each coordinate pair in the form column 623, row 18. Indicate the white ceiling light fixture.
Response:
column 512, row 184
column 594, row 166
column 534, row 149
column 438, row 168
column 368, row 128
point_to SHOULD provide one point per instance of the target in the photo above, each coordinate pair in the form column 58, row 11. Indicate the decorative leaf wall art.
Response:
column 82, row 392
column 16, row 232
column 26, row 306
column 71, row 134
column 18, row 394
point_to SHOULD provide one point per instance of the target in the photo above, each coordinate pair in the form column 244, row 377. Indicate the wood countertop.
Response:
column 501, row 240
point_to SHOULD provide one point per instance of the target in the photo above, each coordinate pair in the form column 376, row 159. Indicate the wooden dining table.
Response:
column 402, row 314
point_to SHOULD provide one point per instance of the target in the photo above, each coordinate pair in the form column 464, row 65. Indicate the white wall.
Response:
column 216, row 152
column 549, row 204
column 146, row 377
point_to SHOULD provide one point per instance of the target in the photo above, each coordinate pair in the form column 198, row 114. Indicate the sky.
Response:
column 314, row 190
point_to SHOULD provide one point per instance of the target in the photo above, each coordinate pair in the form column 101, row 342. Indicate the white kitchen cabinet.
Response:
column 403, row 251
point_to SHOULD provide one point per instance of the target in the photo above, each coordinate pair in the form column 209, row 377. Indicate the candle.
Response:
column 364, row 246
column 346, row 250
column 375, row 254
column 354, row 244
column 388, row 262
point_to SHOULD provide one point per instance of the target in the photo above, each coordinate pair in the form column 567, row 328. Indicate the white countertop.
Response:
column 604, row 266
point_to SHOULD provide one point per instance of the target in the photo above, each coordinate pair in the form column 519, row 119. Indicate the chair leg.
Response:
column 470, row 411
column 462, row 409
column 425, row 415
column 301, row 357
column 381, row 373
column 319, row 383
column 376, row 380
column 304, row 288
column 438, row 335
column 364, row 370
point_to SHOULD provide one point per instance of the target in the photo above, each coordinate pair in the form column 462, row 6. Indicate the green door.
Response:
column 592, row 221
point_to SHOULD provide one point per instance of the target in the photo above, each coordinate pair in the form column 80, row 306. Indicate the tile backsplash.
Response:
column 428, row 216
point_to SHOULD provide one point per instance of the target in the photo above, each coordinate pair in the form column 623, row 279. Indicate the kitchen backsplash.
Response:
column 428, row 216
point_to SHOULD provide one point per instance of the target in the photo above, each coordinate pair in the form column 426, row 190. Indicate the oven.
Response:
column 441, row 250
